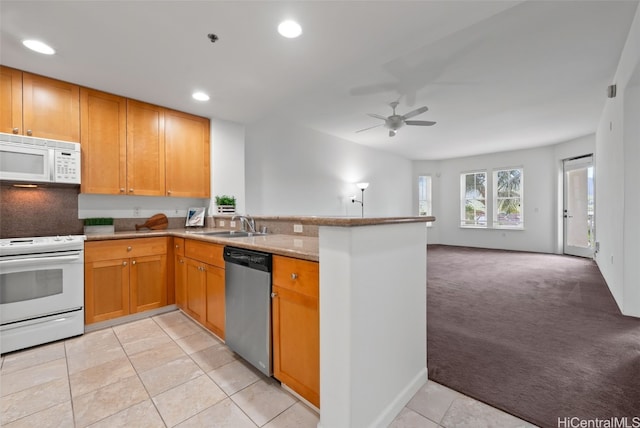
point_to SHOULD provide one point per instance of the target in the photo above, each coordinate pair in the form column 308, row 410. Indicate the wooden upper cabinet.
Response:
column 145, row 149
column 10, row 100
column 50, row 108
column 103, row 136
column 187, row 155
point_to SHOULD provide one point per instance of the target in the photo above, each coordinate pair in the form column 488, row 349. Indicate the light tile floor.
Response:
column 167, row 371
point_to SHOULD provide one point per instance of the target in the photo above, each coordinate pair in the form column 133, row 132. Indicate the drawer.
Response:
column 124, row 248
column 204, row 252
column 297, row 275
column 178, row 246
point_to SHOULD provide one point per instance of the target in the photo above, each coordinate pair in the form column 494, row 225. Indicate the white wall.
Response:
column 291, row 170
column 542, row 197
column 617, row 159
column 227, row 162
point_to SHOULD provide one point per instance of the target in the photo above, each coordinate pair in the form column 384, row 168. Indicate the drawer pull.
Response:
column 273, row 295
column 133, row 262
column 124, row 263
column 294, row 276
column 15, row 130
column 29, row 132
column 129, row 248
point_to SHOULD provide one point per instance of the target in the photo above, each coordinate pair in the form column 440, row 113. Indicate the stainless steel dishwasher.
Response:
column 248, row 306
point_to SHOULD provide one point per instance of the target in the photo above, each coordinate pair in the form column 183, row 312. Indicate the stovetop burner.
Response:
column 41, row 244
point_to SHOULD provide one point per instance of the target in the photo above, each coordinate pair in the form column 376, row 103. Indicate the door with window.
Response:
column 579, row 206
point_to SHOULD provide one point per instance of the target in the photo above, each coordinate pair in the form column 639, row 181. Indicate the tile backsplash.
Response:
column 41, row 211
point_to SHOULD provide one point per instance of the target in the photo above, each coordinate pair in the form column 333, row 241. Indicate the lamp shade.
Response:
column 362, row 186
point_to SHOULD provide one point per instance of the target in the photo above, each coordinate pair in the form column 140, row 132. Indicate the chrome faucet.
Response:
column 246, row 222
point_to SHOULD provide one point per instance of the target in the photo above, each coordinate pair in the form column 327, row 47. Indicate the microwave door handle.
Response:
column 52, row 165
column 38, row 260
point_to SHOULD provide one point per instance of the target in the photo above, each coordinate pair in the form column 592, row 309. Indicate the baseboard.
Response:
column 128, row 318
column 389, row 413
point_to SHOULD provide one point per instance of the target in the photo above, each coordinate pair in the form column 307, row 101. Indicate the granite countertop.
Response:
column 347, row 221
column 297, row 246
column 301, row 247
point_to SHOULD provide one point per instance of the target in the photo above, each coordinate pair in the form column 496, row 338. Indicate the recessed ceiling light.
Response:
column 289, row 29
column 38, row 46
column 200, row 96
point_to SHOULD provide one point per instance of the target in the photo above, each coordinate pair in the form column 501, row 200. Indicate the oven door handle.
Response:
column 39, row 260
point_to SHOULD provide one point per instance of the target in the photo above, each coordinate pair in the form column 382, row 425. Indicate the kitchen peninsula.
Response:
column 372, row 309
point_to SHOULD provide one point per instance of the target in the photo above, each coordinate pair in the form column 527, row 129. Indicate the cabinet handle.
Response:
column 177, row 246
column 15, row 130
column 29, row 133
column 129, row 248
column 133, row 262
column 294, row 276
column 122, row 190
column 181, row 261
column 274, row 295
column 124, row 263
column 168, row 192
column 131, row 190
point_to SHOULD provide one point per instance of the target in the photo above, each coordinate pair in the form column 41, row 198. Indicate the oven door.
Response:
column 39, row 285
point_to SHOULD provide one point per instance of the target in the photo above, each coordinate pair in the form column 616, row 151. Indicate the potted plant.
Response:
column 98, row 225
column 226, row 204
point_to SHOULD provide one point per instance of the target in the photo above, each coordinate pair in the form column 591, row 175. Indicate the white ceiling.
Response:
column 496, row 75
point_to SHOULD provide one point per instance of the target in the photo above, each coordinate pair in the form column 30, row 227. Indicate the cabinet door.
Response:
column 10, row 100
column 106, row 290
column 187, row 155
column 50, row 108
column 145, row 149
column 296, row 342
column 215, row 300
column 148, row 283
column 181, row 281
column 196, row 288
column 103, row 138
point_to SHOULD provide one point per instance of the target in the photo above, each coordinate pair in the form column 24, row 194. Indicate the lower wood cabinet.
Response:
column 204, row 284
column 124, row 277
column 296, row 326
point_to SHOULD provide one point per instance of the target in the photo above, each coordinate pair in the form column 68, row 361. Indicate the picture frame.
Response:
column 195, row 217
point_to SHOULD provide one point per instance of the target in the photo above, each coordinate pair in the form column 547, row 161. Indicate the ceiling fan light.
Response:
column 392, row 132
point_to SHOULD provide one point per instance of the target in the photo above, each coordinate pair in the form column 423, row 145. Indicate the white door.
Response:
column 579, row 206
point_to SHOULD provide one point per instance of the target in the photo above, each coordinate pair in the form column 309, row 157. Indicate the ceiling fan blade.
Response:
column 416, row 112
column 419, row 122
column 371, row 127
column 377, row 116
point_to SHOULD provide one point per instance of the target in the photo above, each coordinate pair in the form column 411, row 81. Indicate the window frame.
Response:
column 463, row 222
column 428, row 200
column 496, row 198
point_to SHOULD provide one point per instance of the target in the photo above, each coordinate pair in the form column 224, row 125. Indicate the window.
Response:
column 507, row 198
column 424, row 196
column 473, row 192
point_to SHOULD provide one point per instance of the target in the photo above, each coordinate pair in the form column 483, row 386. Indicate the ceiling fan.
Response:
column 396, row 121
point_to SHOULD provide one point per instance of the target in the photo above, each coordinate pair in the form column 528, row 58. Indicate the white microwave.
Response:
column 38, row 160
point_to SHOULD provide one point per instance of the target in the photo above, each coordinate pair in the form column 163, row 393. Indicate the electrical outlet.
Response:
column 177, row 211
column 136, row 211
column 297, row 228
column 221, row 223
column 232, row 224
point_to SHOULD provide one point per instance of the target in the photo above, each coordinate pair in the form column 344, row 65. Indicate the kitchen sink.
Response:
column 232, row 234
